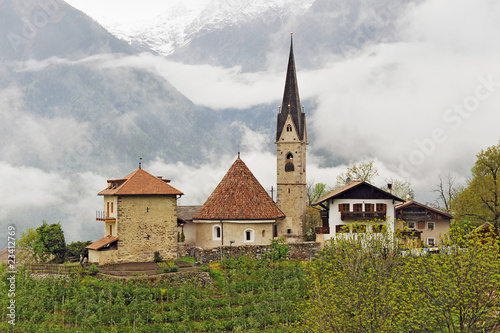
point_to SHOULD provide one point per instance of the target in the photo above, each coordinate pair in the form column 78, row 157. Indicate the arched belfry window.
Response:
column 288, row 128
column 289, row 163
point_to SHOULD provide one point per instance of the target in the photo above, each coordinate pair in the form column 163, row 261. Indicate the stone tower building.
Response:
column 291, row 141
column 140, row 218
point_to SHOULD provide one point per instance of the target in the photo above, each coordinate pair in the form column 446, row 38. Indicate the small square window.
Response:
column 430, row 225
column 341, row 229
column 288, row 231
column 344, row 207
column 431, row 242
column 411, row 225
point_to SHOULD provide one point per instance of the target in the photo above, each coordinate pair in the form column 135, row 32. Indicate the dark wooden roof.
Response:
column 186, row 213
column 239, row 196
column 358, row 190
column 291, row 101
column 413, row 204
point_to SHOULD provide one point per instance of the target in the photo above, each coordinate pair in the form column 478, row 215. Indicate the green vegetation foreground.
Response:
column 248, row 296
column 358, row 284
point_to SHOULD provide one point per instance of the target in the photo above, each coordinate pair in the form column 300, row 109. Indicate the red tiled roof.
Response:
column 411, row 202
column 139, row 182
column 351, row 185
column 239, row 196
column 102, row 242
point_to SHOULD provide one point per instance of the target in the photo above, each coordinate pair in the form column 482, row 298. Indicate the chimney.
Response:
column 389, row 188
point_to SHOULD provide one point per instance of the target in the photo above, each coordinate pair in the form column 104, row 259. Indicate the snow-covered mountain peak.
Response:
column 180, row 23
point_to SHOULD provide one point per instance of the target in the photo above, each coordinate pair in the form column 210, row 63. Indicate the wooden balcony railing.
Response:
column 362, row 216
column 102, row 215
column 322, row 230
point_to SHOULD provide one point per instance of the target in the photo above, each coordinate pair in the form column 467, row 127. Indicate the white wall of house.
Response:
column 110, row 205
column 335, row 214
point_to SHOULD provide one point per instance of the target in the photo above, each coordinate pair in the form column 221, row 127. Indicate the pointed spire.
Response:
column 291, row 100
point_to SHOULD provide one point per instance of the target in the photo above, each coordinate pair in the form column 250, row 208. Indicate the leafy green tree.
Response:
column 315, row 191
column 49, row 242
column 400, row 188
column 25, row 244
column 363, row 172
column 353, row 287
column 362, row 284
column 76, row 248
column 27, row 239
column 479, row 202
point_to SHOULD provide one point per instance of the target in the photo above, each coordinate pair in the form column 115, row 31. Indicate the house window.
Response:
column 431, row 241
column 421, row 224
column 379, row 228
column 289, row 156
column 368, row 208
column 359, row 228
column 111, row 230
column 107, row 210
column 288, row 231
column 289, row 128
column 111, row 207
column 411, row 225
column 358, row 207
column 341, row 229
column 248, row 234
column 275, row 230
column 263, row 233
column 430, row 225
column 217, row 232
column 344, row 207
column 381, row 207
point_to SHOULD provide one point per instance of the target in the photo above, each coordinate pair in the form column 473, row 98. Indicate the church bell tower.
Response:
column 291, row 142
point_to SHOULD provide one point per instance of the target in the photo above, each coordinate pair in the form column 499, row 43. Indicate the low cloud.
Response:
column 30, row 195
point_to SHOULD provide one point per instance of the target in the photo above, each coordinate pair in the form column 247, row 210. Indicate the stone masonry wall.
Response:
column 303, row 251
column 291, row 190
column 146, row 224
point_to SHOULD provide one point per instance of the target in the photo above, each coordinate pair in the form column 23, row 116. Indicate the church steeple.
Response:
column 291, row 101
column 291, row 144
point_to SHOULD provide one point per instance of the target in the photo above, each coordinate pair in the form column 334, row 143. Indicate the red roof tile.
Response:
column 139, row 182
column 239, row 196
column 102, row 242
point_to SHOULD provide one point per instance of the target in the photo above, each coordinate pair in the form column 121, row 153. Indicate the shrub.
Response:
column 279, row 249
column 158, row 258
column 93, row 270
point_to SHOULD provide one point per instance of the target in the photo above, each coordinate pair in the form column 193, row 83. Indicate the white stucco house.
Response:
column 357, row 207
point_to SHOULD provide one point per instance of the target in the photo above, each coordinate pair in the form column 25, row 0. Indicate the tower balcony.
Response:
column 362, row 216
column 102, row 215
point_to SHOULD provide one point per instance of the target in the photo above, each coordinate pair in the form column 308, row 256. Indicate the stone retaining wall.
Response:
column 302, row 251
